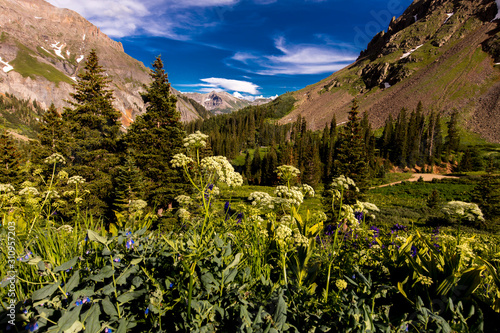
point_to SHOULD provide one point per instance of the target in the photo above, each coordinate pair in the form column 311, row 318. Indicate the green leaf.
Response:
column 123, row 278
column 41, row 265
column 109, row 308
column 73, row 282
column 94, row 236
column 130, row 296
column 135, row 261
column 123, row 326
column 92, row 323
column 67, row 265
column 69, row 318
column 45, row 291
column 141, row 232
column 105, row 273
column 76, row 327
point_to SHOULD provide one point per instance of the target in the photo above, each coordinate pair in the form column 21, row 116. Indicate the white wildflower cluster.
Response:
column 300, row 240
column 65, row 228
column 76, row 180
column 55, row 158
column 196, row 140
column 463, row 211
column 6, row 188
column 283, row 232
column 51, row 194
column 368, row 206
column 180, row 161
column 62, row 175
column 287, row 172
column 319, row 216
column 293, row 195
column 137, row 205
column 184, row 200
column 261, row 200
column 220, row 168
column 307, row 190
column 183, row 214
column 286, row 219
column 29, row 191
column 340, row 184
column 347, row 215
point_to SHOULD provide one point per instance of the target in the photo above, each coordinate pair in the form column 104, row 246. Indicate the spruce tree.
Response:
column 350, row 151
column 155, row 137
column 53, row 135
column 93, row 125
column 10, row 166
column 453, row 137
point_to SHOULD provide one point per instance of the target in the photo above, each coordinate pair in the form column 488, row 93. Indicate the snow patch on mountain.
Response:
column 498, row 8
column 7, row 68
column 80, row 58
column 449, row 15
column 411, row 51
column 58, row 49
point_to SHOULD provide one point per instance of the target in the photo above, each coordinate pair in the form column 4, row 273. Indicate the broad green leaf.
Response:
column 73, row 282
column 76, row 327
column 122, row 328
column 45, row 291
column 69, row 318
column 135, row 261
column 67, row 265
column 123, row 278
column 94, row 236
column 92, row 323
column 130, row 296
column 109, row 308
column 105, row 273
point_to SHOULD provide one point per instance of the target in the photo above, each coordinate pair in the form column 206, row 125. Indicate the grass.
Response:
column 28, row 66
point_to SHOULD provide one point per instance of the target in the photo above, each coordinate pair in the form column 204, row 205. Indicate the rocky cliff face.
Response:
column 441, row 52
column 42, row 48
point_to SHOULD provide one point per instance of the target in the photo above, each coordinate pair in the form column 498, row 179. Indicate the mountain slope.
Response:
column 446, row 59
column 42, row 48
column 222, row 102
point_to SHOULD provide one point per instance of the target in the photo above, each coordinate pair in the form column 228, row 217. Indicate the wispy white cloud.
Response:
column 168, row 18
column 295, row 59
column 222, row 84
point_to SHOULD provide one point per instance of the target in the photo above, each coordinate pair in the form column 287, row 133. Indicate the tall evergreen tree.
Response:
column 155, row 137
column 10, row 166
column 350, row 151
column 93, row 124
column 53, row 135
column 453, row 137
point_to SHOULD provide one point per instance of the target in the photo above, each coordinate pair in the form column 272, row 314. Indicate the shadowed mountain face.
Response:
column 42, row 48
column 444, row 53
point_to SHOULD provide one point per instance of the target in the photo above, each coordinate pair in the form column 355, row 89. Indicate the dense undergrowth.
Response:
column 269, row 265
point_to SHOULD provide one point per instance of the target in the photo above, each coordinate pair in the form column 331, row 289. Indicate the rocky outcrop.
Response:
column 443, row 53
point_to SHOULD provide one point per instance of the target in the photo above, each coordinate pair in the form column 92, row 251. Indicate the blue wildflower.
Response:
column 32, row 327
column 78, row 302
column 171, row 285
column 147, row 310
column 128, row 233
column 86, row 238
column 359, row 216
column 117, row 260
column 108, row 330
column 130, row 243
column 414, row 251
column 239, row 217
column 398, row 227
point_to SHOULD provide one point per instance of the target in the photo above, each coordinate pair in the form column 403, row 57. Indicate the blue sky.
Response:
column 246, row 47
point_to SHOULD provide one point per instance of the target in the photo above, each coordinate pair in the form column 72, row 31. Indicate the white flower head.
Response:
column 180, row 161
column 55, row 158
column 76, row 180
column 29, row 191
column 6, row 188
column 196, row 140
column 287, row 172
column 261, row 200
column 219, row 169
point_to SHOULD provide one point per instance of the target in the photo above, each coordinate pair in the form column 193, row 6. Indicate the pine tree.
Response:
column 93, row 125
column 128, row 184
column 453, row 137
column 350, row 152
column 155, row 137
column 10, row 166
column 53, row 135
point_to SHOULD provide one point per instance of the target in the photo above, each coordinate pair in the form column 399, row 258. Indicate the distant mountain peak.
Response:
column 219, row 102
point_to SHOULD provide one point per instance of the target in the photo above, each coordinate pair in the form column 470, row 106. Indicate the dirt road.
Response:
column 427, row 177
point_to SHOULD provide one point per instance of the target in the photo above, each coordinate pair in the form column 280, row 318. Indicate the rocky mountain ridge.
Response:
column 223, row 102
column 42, row 48
column 441, row 52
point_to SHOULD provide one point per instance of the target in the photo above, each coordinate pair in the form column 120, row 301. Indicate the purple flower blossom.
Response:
column 239, row 217
column 330, row 230
column 413, row 251
column 398, row 227
column 117, row 260
column 32, row 327
column 359, row 216
column 130, row 244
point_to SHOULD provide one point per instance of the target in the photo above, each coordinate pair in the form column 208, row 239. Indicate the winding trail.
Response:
column 427, row 177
